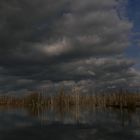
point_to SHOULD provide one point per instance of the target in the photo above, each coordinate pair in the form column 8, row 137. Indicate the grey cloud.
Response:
column 100, row 70
column 62, row 40
column 28, row 23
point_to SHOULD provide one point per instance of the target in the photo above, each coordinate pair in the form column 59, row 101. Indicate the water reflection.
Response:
column 75, row 114
column 72, row 123
column 69, row 121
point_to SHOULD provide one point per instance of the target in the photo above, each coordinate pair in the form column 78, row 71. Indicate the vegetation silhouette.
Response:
column 36, row 103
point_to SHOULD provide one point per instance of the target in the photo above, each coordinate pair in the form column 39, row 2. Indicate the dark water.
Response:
column 72, row 124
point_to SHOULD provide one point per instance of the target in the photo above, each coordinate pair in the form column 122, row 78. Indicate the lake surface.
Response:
column 72, row 124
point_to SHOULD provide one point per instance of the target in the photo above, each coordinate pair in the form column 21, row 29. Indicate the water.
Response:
column 69, row 124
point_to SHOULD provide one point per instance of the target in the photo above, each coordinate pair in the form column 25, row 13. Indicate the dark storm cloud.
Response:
column 51, row 24
column 62, row 40
column 26, row 22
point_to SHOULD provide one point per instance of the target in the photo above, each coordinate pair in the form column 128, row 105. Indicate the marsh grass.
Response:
column 37, row 102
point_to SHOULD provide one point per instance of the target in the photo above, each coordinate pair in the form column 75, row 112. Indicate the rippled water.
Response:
column 72, row 124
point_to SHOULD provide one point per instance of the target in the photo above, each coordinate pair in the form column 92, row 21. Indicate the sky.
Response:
column 133, row 14
column 90, row 44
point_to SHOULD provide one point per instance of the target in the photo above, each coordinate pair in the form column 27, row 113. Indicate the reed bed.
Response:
column 118, row 99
